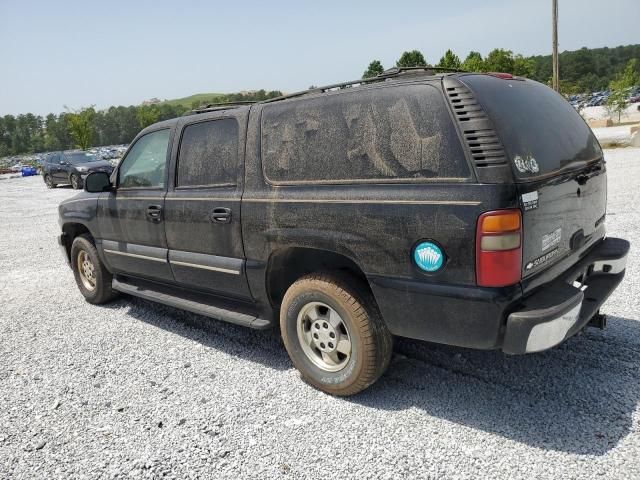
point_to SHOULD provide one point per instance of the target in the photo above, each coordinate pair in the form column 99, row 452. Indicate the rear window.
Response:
column 378, row 134
column 80, row 157
column 208, row 154
column 541, row 132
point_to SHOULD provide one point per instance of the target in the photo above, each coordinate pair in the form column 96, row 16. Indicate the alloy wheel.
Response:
column 323, row 336
column 86, row 270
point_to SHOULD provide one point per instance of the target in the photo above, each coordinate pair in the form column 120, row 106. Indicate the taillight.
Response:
column 499, row 248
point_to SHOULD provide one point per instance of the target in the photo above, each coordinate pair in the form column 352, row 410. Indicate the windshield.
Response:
column 80, row 157
column 541, row 132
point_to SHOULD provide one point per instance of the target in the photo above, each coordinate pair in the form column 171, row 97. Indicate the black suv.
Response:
column 71, row 167
column 465, row 209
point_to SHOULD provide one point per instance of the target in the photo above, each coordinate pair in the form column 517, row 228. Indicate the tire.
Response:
column 49, row 181
column 83, row 249
column 76, row 181
column 306, row 305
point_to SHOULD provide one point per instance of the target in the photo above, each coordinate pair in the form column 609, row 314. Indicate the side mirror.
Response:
column 97, row 182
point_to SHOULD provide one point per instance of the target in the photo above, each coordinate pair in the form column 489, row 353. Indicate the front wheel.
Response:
column 92, row 278
column 334, row 334
column 76, row 182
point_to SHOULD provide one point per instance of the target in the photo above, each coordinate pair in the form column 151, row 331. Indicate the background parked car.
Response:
column 72, row 167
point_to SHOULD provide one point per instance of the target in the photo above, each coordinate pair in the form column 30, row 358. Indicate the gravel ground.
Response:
column 134, row 389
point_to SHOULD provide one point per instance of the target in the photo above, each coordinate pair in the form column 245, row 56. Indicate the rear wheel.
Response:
column 334, row 334
column 92, row 278
column 49, row 181
column 76, row 182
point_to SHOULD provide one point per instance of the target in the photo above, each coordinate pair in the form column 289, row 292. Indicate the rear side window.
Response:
column 389, row 133
column 541, row 132
column 208, row 154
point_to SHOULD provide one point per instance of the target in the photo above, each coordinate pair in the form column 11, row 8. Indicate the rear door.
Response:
column 557, row 164
column 202, row 218
column 131, row 217
column 60, row 168
column 52, row 164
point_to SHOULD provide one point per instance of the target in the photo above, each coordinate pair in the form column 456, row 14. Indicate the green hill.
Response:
column 587, row 69
column 198, row 98
column 204, row 98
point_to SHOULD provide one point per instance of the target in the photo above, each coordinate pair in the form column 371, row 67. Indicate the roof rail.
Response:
column 212, row 107
column 387, row 74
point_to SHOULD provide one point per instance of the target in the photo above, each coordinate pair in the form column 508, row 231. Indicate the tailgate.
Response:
column 561, row 216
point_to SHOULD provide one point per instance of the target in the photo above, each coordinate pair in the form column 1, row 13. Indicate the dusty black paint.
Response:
column 355, row 179
column 397, row 133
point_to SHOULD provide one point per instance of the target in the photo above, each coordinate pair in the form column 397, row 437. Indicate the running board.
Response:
column 194, row 306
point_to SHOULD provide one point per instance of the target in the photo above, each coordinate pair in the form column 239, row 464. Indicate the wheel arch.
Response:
column 70, row 231
column 76, row 174
column 288, row 264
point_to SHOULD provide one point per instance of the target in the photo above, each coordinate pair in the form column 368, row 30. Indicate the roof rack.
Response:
column 212, row 107
column 387, row 74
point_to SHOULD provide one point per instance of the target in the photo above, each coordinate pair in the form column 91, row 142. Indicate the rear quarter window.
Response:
column 208, row 154
column 388, row 133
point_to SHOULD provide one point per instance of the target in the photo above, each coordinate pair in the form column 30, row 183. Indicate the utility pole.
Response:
column 556, row 64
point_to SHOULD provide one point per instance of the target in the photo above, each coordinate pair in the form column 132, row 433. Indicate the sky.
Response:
column 79, row 53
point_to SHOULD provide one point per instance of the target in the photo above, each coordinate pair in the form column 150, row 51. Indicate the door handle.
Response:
column 154, row 212
column 220, row 215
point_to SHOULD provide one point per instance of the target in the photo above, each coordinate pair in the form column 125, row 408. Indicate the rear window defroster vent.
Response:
column 480, row 137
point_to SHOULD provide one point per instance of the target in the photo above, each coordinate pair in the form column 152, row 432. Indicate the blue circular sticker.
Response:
column 428, row 256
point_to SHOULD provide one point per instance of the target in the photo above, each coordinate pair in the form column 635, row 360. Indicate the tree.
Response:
column 56, row 133
column 26, row 134
column 81, row 126
column 147, row 115
column 626, row 78
column 617, row 101
column 414, row 58
column 473, row 62
column 522, row 67
column 499, row 60
column 450, row 60
column 569, row 88
column 375, row 68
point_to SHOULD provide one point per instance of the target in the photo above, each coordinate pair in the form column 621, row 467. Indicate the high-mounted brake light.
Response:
column 502, row 75
column 499, row 248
